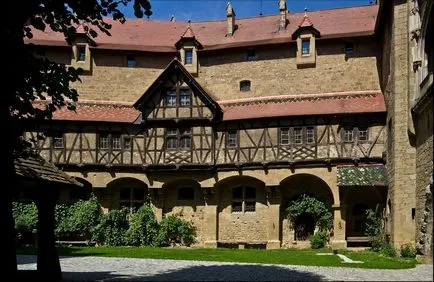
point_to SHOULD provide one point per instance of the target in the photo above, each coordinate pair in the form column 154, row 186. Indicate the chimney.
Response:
column 283, row 11
column 230, row 14
column 172, row 18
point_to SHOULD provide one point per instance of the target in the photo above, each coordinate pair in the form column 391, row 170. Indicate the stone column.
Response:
column 273, row 222
column 210, row 220
column 157, row 202
column 339, row 231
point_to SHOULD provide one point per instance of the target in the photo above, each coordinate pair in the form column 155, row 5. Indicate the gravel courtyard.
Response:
column 128, row 269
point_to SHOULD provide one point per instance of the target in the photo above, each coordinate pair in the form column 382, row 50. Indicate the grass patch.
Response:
column 281, row 256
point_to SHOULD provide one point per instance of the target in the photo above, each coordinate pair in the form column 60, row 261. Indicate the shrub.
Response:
column 26, row 221
column 408, row 251
column 175, row 231
column 143, row 228
column 64, row 227
column 113, row 228
column 388, row 249
column 374, row 230
column 318, row 240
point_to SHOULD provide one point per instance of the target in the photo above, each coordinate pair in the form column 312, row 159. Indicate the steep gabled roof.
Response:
column 175, row 66
column 188, row 35
column 306, row 24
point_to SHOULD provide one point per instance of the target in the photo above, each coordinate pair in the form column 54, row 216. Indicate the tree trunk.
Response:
column 48, row 264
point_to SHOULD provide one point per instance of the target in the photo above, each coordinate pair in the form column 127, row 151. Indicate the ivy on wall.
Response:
column 322, row 216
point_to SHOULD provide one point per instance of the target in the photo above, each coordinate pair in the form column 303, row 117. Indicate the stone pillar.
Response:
column 273, row 222
column 157, row 202
column 210, row 220
column 339, row 231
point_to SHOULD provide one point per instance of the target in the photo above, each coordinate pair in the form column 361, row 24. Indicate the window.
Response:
column 243, row 199
column 178, row 139
column 349, row 48
column 114, row 142
column 298, row 135
column 186, row 194
column 185, row 97
column 245, row 85
column 251, row 55
column 310, row 135
column 232, row 139
column 363, row 134
column 348, row 135
column 188, row 57
column 170, row 98
column 132, row 198
column 58, row 141
column 103, row 141
column 81, row 53
column 284, row 136
column 305, row 47
column 131, row 61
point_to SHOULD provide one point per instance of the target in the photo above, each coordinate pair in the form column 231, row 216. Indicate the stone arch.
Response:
column 125, row 192
column 291, row 188
column 243, row 211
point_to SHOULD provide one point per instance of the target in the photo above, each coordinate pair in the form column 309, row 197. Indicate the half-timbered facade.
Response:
column 225, row 127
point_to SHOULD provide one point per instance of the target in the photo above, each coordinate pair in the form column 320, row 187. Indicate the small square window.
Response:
column 170, row 98
column 349, row 48
column 232, row 139
column 188, row 57
column 245, row 85
column 81, row 53
column 284, row 136
column 250, row 207
column 251, row 56
column 237, row 206
column 310, row 135
column 185, row 97
column 298, row 136
column 348, row 135
column 171, row 139
column 116, row 142
column 131, row 62
column 103, row 141
column 305, row 47
column 185, row 142
column 58, row 142
column 363, row 134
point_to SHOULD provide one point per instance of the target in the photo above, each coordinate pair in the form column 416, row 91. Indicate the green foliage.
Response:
column 175, row 231
column 408, row 251
column 374, row 229
column 64, row 225
column 318, row 240
column 143, row 229
column 26, row 220
column 307, row 204
column 388, row 249
column 113, row 228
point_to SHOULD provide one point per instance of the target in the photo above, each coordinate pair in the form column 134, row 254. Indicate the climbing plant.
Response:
column 322, row 216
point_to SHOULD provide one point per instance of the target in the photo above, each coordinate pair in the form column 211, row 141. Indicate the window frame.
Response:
column 364, row 130
column 251, row 55
column 345, row 135
column 110, row 141
column 303, row 48
column 349, row 48
column 81, row 56
column 232, row 135
column 245, row 85
column 243, row 204
column 188, row 61
column 310, row 129
column 170, row 98
column 176, row 135
column 295, row 136
column 132, row 200
column 56, row 137
column 131, row 61
column 288, row 137
column 182, row 91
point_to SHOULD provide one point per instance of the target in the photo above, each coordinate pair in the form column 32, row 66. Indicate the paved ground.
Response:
column 115, row 269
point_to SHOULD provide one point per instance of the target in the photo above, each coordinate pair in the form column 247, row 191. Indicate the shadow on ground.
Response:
column 196, row 273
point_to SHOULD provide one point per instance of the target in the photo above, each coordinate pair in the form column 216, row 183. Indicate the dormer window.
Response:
column 305, row 47
column 245, row 85
column 81, row 53
column 188, row 56
column 349, row 48
column 131, row 62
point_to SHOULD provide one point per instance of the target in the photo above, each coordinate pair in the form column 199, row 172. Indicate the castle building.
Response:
column 225, row 122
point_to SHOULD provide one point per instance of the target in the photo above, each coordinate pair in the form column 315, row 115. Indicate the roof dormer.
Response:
column 188, row 46
column 305, row 36
column 81, row 53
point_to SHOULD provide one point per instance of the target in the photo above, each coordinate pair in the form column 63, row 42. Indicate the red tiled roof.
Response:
column 263, row 107
column 161, row 36
column 99, row 111
column 302, row 105
column 188, row 33
column 305, row 22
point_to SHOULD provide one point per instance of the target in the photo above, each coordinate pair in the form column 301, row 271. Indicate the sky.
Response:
column 206, row 10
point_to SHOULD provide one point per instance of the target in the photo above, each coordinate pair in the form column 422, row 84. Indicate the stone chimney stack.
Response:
column 283, row 11
column 230, row 14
